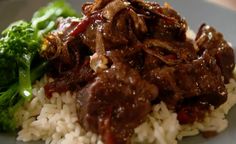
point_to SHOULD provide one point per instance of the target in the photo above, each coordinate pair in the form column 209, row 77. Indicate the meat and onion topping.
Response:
column 123, row 56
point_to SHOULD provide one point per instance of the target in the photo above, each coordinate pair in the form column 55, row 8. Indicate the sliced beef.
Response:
column 202, row 78
column 115, row 103
column 73, row 80
column 163, row 78
column 132, row 56
column 62, row 49
column 191, row 110
column 212, row 41
column 163, row 22
column 170, row 53
column 187, row 88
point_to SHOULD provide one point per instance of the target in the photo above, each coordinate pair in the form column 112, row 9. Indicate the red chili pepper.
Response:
column 52, row 87
column 171, row 57
column 83, row 24
column 186, row 116
column 105, row 127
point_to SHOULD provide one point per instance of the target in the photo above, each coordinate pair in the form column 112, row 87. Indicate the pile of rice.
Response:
column 55, row 120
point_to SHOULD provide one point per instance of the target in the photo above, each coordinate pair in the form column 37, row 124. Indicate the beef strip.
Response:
column 73, row 80
column 202, row 78
column 201, row 86
column 212, row 41
column 170, row 53
column 115, row 103
column 163, row 22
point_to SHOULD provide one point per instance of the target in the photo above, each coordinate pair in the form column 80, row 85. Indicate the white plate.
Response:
column 195, row 11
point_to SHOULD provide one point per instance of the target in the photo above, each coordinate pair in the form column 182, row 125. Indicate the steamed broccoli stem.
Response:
column 27, row 76
column 25, row 88
column 37, row 72
column 10, row 101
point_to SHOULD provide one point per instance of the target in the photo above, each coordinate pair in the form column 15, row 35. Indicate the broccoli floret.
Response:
column 19, row 45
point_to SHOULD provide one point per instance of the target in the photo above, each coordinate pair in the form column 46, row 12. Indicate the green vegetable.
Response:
column 44, row 20
column 10, row 100
column 20, row 63
column 8, row 72
column 19, row 45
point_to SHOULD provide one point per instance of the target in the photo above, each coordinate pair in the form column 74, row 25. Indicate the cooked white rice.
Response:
column 55, row 121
